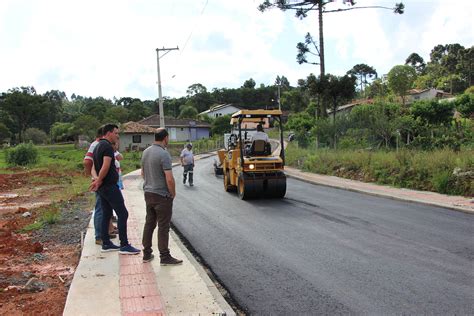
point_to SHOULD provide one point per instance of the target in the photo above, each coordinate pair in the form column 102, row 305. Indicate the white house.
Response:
column 426, row 94
column 135, row 136
column 220, row 110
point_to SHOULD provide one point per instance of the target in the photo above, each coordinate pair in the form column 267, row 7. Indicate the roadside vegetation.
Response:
column 441, row 170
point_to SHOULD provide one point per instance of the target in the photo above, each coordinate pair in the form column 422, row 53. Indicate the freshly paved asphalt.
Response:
column 322, row 250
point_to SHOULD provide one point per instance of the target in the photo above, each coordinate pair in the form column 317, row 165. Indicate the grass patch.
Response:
column 421, row 170
column 31, row 227
column 51, row 217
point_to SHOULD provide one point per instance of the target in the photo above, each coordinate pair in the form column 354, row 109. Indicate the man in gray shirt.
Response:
column 159, row 188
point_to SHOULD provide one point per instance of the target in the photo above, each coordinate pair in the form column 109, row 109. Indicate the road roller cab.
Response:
column 255, row 168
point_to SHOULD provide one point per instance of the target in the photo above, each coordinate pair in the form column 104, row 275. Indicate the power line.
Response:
column 192, row 30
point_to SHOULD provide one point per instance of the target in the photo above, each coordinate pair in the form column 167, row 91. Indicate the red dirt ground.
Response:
column 36, row 269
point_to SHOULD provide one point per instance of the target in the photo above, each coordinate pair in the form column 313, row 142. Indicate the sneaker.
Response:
column 170, row 261
column 98, row 241
column 109, row 247
column 129, row 250
column 148, row 257
column 191, row 184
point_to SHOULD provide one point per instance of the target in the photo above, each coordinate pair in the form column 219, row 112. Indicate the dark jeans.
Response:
column 188, row 169
column 97, row 217
column 159, row 209
column 111, row 199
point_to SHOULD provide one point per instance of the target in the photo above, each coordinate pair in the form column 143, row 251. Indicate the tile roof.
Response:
column 154, row 121
column 134, row 127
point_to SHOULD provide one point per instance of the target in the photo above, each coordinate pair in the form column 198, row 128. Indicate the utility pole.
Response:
column 160, row 96
column 279, row 104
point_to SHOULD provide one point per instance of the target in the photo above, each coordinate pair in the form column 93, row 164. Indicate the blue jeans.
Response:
column 111, row 199
column 97, row 217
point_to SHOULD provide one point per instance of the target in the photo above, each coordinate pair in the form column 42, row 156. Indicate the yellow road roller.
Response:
column 250, row 165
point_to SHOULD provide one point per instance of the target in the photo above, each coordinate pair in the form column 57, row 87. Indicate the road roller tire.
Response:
column 276, row 186
column 244, row 187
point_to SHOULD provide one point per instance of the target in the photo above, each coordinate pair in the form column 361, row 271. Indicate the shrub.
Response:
column 36, row 136
column 442, row 181
column 22, row 155
column 51, row 217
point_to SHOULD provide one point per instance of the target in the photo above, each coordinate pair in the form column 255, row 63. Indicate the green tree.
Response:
column 417, row 62
column 116, row 114
column 317, row 89
column 400, row 80
column 465, row 105
column 250, row 84
column 72, row 109
column 97, row 107
column 377, row 89
column 451, row 67
column 433, row 112
column 61, row 132
column 466, row 65
column 36, row 136
column 26, row 108
column 196, row 88
column 138, row 111
column 4, row 133
column 282, row 82
column 221, row 125
column 363, row 72
column 302, row 8
column 301, row 124
column 294, row 100
column 188, row 111
column 86, row 125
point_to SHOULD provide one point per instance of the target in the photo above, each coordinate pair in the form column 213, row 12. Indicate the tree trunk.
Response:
column 321, row 38
column 334, row 108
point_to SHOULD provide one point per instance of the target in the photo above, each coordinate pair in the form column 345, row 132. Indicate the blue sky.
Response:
column 107, row 47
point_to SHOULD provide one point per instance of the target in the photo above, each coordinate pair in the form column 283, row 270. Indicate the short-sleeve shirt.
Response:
column 187, row 156
column 155, row 161
column 90, row 152
column 104, row 149
column 260, row 136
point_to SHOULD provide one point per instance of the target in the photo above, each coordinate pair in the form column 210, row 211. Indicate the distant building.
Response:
column 347, row 108
column 180, row 129
column 135, row 136
column 426, row 94
column 220, row 110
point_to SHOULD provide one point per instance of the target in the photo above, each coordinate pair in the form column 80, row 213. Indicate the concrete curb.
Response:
column 291, row 173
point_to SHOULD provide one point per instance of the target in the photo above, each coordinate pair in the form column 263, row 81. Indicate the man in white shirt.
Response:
column 187, row 161
column 260, row 134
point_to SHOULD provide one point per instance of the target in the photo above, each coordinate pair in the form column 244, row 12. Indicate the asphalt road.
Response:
column 329, row 251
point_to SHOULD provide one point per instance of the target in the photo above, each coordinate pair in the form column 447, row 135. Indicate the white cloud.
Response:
column 107, row 47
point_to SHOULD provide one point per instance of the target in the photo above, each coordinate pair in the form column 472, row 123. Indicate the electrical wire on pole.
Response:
column 160, row 96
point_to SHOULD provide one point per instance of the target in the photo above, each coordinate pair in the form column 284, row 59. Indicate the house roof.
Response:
column 352, row 104
column 134, row 127
column 418, row 91
column 219, row 107
column 154, row 121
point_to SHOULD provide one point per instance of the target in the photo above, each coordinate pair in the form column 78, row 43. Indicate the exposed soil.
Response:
column 36, row 267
